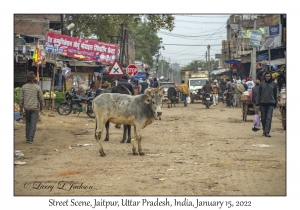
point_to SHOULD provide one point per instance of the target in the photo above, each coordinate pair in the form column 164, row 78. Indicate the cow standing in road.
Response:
column 127, row 128
column 171, row 96
column 139, row 111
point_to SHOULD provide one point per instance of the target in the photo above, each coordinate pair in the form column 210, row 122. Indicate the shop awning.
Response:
column 262, row 57
column 139, row 75
column 219, row 71
column 82, row 63
column 232, row 61
column 276, row 62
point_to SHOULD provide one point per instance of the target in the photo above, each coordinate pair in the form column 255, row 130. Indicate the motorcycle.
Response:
column 207, row 100
column 76, row 103
column 89, row 93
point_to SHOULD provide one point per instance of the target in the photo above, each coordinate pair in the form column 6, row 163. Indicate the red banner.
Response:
column 81, row 48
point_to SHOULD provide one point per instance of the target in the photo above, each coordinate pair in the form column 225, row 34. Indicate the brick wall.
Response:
column 37, row 24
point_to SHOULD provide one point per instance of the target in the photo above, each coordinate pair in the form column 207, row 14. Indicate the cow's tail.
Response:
column 127, row 90
column 95, row 127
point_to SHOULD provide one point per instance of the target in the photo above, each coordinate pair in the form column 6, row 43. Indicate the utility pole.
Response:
column 208, row 54
column 162, row 66
column 253, row 63
column 157, row 64
column 206, row 59
column 120, row 42
column 61, row 24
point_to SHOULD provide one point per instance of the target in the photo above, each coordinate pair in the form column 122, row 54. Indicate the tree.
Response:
column 103, row 26
column 147, row 43
column 194, row 65
column 109, row 28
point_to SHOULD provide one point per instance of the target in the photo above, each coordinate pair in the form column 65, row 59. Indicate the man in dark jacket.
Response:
column 125, row 82
column 266, row 100
column 229, row 93
column 143, row 85
column 206, row 89
column 245, row 85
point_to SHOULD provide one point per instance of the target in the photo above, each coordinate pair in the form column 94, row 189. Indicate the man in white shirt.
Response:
column 250, row 83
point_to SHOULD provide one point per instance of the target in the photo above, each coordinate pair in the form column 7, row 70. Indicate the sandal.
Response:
column 267, row 135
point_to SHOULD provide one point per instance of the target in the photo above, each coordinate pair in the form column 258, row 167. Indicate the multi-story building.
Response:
column 237, row 46
column 38, row 24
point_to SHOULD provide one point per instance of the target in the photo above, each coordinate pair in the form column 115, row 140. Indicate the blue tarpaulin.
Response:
column 262, row 57
column 139, row 75
column 232, row 61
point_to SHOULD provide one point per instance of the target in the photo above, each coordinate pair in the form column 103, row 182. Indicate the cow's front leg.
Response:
column 125, row 127
column 140, row 146
column 98, row 139
column 107, row 131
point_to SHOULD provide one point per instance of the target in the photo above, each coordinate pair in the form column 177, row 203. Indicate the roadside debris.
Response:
column 261, row 145
column 18, row 153
column 82, row 145
column 19, row 163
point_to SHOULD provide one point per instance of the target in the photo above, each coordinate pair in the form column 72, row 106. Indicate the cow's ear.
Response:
column 166, row 101
column 148, row 101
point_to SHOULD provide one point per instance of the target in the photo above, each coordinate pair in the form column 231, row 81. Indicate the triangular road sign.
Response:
column 116, row 70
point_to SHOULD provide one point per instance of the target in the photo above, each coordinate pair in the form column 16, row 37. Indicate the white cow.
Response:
column 138, row 111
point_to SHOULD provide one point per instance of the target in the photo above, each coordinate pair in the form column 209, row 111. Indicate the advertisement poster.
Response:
column 80, row 80
column 81, row 48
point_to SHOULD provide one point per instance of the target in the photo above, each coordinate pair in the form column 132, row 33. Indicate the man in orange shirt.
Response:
column 184, row 89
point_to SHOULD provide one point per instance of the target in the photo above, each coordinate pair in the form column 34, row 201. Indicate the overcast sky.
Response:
column 193, row 29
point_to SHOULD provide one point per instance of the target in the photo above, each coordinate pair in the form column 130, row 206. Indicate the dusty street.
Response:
column 191, row 151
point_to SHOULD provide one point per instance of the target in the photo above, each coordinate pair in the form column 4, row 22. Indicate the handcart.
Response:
column 282, row 108
column 247, row 109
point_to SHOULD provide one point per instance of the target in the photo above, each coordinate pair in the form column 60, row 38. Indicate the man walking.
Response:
column 266, row 100
column 184, row 89
column 143, row 85
column 229, row 93
column 215, row 90
column 31, row 99
column 254, row 96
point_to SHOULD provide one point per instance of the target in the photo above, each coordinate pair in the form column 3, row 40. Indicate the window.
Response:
column 248, row 17
column 237, row 18
column 197, row 82
column 55, row 25
column 167, row 85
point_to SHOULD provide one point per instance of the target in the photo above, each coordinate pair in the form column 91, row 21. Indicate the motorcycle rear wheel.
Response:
column 64, row 109
column 90, row 111
column 207, row 105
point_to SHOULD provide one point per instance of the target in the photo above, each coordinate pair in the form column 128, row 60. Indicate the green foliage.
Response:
column 142, row 30
column 17, row 91
column 147, row 43
column 105, row 25
column 194, row 65
column 60, row 97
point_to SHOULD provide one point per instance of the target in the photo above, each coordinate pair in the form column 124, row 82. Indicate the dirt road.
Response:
column 191, row 151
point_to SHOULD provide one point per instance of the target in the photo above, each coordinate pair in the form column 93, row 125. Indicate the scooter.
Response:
column 207, row 100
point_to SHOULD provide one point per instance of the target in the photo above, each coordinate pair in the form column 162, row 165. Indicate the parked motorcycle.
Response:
column 207, row 100
column 89, row 93
column 76, row 103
